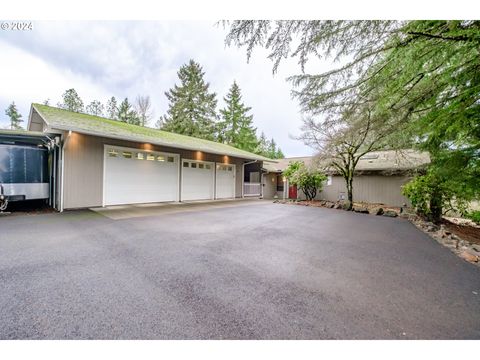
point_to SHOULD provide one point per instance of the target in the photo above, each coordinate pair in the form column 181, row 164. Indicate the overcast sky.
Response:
column 126, row 59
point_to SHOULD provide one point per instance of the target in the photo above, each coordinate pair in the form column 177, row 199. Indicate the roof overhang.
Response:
column 139, row 139
column 24, row 137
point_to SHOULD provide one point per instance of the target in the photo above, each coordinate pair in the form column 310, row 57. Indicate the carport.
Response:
column 28, row 166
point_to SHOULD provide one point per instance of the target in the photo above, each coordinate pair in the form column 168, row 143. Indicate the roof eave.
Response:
column 151, row 141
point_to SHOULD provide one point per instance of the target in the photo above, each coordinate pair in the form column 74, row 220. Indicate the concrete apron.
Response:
column 119, row 212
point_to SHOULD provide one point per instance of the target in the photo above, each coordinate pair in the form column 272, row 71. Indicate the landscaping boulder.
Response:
column 390, row 213
column 431, row 227
column 361, row 210
column 345, row 206
column 379, row 211
column 466, row 255
column 337, row 206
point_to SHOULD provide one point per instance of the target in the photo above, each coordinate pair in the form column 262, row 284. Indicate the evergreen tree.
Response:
column 127, row 114
column 112, row 110
column 15, row 117
column 279, row 154
column 159, row 123
column 95, row 108
column 192, row 108
column 272, row 149
column 236, row 127
column 71, row 101
column 268, row 148
column 262, row 147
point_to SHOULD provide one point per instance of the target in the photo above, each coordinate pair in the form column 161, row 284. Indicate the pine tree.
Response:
column 262, row 147
column 192, row 109
column 71, row 101
column 279, row 154
column 159, row 123
column 15, row 117
column 236, row 127
column 127, row 114
column 112, row 110
column 272, row 149
column 95, row 108
column 268, row 148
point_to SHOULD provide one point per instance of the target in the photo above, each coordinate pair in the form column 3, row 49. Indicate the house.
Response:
column 90, row 161
column 378, row 178
column 94, row 162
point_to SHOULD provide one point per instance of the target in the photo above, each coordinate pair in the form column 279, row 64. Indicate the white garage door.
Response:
column 197, row 180
column 225, row 181
column 134, row 176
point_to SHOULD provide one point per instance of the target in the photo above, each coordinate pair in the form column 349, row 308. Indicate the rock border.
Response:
column 464, row 249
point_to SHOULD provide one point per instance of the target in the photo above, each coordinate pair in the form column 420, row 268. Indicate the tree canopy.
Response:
column 268, row 148
column 71, row 101
column 310, row 180
column 95, row 108
column 112, row 109
column 15, row 117
column 143, row 108
column 236, row 125
column 192, row 107
column 420, row 79
column 127, row 114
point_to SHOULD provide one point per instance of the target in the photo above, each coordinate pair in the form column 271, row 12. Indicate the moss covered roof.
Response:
column 387, row 161
column 21, row 132
column 99, row 126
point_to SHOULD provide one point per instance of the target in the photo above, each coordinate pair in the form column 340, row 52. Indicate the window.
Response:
column 150, row 157
column 160, row 158
column 280, row 183
column 207, row 166
column 140, row 156
column 185, row 164
column 200, row 166
column 112, row 153
column 329, row 180
column 193, row 165
column 171, row 159
column 127, row 154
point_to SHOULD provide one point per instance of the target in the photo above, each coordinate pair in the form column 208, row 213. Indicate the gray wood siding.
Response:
column 269, row 185
column 367, row 188
column 83, row 167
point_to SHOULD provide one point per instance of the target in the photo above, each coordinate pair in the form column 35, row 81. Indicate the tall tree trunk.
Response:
column 350, row 192
column 435, row 207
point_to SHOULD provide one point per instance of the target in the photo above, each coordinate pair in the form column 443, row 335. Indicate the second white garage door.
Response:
column 197, row 180
column 134, row 176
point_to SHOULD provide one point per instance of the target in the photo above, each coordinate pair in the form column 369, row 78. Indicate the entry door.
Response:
column 197, row 180
column 292, row 192
column 225, row 181
column 135, row 176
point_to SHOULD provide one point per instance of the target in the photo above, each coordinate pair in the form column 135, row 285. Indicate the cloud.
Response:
column 127, row 58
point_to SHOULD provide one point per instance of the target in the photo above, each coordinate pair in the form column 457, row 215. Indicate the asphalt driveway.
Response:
column 254, row 271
